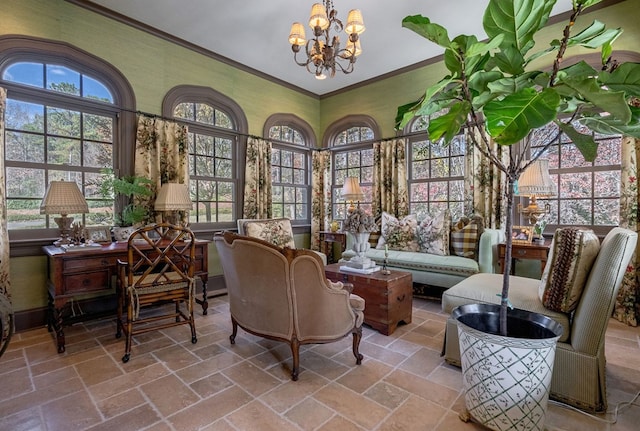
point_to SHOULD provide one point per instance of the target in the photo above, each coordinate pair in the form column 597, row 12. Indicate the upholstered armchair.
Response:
column 579, row 368
column 283, row 294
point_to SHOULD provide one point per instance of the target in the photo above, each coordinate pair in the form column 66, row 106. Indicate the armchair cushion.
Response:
column 275, row 231
column 570, row 260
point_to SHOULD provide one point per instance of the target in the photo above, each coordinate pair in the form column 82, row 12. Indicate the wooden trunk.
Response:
column 388, row 298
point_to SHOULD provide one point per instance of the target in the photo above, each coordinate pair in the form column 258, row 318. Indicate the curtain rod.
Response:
column 185, row 122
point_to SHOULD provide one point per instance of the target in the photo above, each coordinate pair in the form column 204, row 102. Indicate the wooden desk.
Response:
column 72, row 274
column 327, row 239
column 525, row 251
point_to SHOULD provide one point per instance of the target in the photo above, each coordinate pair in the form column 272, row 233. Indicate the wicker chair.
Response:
column 159, row 270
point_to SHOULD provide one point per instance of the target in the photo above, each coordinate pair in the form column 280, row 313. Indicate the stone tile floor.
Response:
column 171, row 384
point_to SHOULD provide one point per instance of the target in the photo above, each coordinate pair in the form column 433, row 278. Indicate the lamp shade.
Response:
column 63, row 197
column 318, row 16
column 173, row 197
column 355, row 23
column 351, row 190
column 536, row 181
column 353, row 49
column 297, row 35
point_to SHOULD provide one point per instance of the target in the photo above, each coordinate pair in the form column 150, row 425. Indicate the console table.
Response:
column 75, row 273
column 327, row 239
column 525, row 251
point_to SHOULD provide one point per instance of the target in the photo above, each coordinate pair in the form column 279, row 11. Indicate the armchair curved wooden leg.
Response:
column 357, row 336
column 232, row 337
column 127, row 349
column 295, row 351
column 192, row 324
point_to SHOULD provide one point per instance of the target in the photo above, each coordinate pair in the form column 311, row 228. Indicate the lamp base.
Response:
column 64, row 224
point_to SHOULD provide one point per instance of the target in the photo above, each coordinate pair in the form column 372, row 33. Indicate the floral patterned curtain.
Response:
column 257, row 185
column 320, row 195
column 484, row 187
column 162, row 156
column 627, row 307
column 6, row 310
column 390, row 178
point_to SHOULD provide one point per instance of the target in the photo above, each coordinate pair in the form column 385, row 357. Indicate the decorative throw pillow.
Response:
column 433, row 234
column 399, row 234
column 571, row 257
column 465, row 236
column 276, row 231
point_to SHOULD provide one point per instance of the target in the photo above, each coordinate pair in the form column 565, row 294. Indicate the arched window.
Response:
column 64, row 121
column 351, row 141
column 292, row 140
column 215, row 127
column 435, row 171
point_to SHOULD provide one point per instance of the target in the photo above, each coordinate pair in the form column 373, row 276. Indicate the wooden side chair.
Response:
column 159, row 270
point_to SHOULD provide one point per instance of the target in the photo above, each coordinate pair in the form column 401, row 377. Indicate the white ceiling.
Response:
column 255, row 32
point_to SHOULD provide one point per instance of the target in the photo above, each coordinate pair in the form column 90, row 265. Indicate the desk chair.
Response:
column 159, row 270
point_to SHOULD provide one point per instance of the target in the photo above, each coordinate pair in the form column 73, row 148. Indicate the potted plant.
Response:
column 127, row 191
column 493, row 92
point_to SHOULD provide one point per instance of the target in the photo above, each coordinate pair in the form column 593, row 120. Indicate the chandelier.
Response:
column 323, row 52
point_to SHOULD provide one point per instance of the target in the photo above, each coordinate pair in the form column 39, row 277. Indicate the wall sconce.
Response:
column 351, row 192
column 63, row 197
column 535, row 182
column 173, row 197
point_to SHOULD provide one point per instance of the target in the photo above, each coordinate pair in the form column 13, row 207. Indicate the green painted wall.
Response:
column 153, row 66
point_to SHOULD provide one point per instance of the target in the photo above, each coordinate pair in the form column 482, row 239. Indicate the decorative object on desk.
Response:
column 64, row 198
column 385, row 271
column 535, row 182
column 323, row 52
column 538, row 231
column 77, row 235
column 334, row 226
column 97, row 234
column 351, row 192
column 172, row 198
column 360, row 225
column 521, row 234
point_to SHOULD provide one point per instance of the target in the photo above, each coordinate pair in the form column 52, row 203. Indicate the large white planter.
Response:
column 360, row 247
column 506, row 380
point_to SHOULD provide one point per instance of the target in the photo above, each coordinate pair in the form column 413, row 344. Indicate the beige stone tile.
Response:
column 389, row 357
column 125, row 382
column 73, row 412
column 169, row 394
column 122, row 402
column 209, row 410
column 422, row 362
column 388, row 395
column 309, row 414
column 447, row 376
column 12, row 361
column 26, row 420
column 55, row 377
column 289, row 393
column 19, row 381
column 176, row 357
column 206, row 367
column 25, row 401
column 221, row 425
column 322, row 365
column 98, row 370
column 352, row 406
column 451, row 422
column 414, row 414
column 364, row 376
column 256, row 416
column 211, row 385
column 251, row 378
column 424, row 388
column 136, row 419
column 338, row 423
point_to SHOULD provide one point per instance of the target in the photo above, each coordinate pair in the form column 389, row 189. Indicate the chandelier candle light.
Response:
column 324, row 52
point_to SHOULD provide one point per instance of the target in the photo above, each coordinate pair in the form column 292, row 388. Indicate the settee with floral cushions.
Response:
column 434, row 249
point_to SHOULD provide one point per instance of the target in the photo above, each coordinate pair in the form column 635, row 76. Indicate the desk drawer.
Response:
column 87, row 281
column 529, row 253
column 97, row 262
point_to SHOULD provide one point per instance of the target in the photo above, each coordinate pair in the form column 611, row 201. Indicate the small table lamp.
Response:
column 173, row 197
column 351, row 192
column 63, row 197
column 535, row 182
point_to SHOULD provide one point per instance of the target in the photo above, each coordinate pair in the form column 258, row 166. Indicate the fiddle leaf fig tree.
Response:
column 492, row 91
